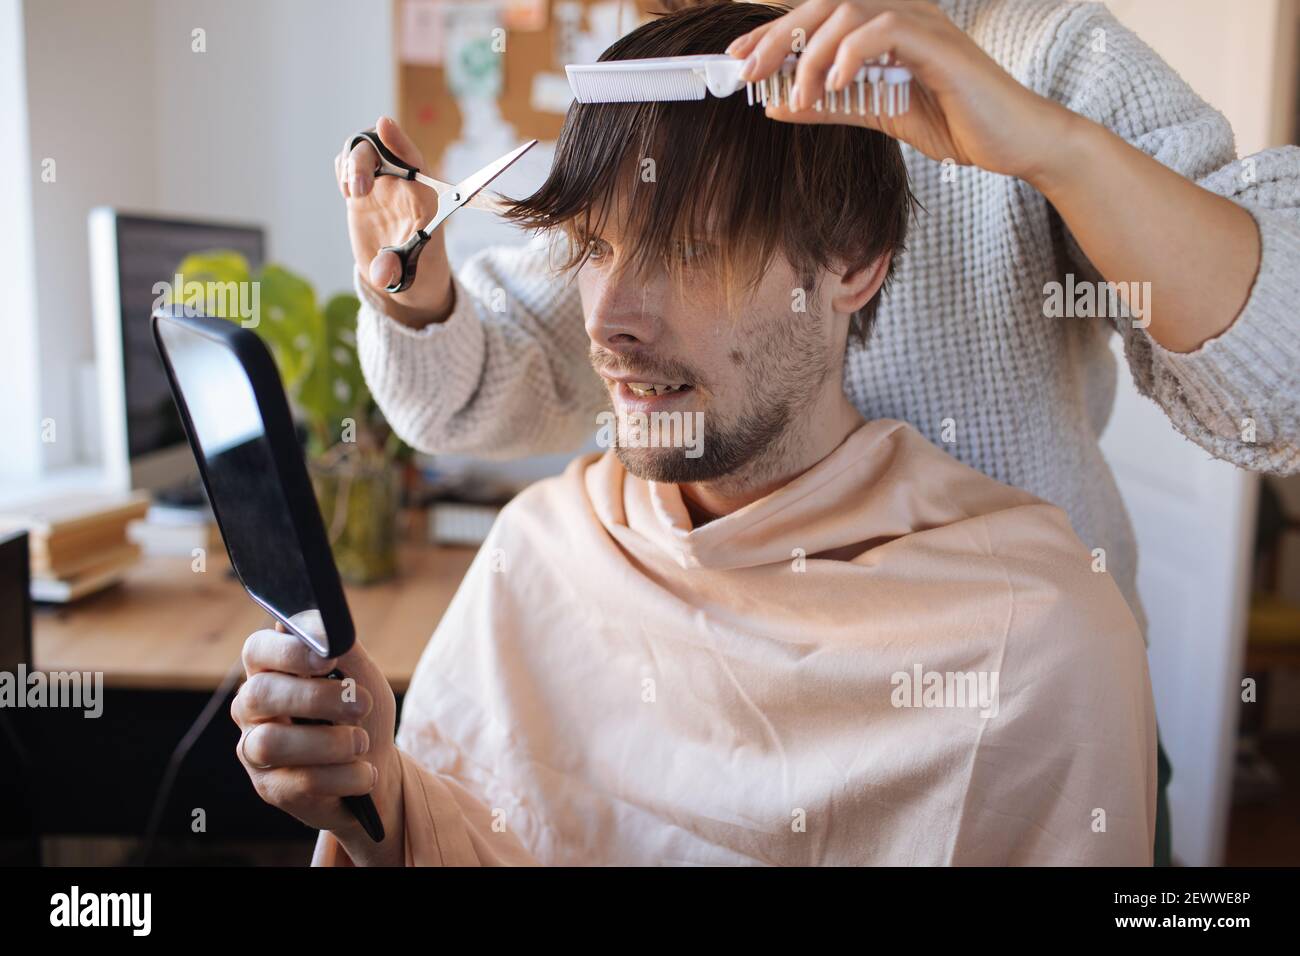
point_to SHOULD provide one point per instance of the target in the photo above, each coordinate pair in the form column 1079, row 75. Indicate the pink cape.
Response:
column 893, row 659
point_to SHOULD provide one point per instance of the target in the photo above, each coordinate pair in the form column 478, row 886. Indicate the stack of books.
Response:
column 171, row 531
column 78, row 544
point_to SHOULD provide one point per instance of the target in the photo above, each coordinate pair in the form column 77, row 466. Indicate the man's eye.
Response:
column 597, row 250
column 686, row 250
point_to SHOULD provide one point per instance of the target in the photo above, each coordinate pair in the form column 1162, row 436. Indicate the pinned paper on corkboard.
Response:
column 419, row 32
column 476, row 44
column 525, row 15
column 437, row 81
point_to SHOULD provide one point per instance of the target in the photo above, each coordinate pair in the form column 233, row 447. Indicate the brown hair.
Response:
column 827, row 196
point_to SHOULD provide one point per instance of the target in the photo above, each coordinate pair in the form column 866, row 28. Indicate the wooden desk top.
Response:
column 166, row 627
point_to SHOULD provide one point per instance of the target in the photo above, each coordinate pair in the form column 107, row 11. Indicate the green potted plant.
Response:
column 355, row 460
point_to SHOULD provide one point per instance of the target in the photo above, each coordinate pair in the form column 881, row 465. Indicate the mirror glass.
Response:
column 242, row 480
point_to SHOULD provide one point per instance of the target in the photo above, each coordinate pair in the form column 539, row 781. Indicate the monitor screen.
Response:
column 149, row 250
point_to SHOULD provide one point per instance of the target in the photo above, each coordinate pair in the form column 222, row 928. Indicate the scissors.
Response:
column 450, row 197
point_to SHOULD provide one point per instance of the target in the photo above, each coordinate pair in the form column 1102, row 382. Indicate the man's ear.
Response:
column 854, row 289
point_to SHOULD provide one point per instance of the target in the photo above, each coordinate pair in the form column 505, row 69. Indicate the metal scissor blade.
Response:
column 486, row 201
column 467, row 189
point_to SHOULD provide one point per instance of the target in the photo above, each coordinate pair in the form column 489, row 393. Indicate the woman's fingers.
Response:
column 784, row 36
column 919, row 38
column 834, row 37
column 745, row 43
column 819, row 52
column 270, row 745
column 354, row 166
column 359, row 168
column 339, row 178
column 269, row 650
column 392, row 136
column 271, row 696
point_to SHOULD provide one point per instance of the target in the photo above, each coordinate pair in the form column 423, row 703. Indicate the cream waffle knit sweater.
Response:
column 962, row 349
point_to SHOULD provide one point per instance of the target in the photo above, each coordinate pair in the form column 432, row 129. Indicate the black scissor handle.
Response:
column 409, row 255
column 390, row 164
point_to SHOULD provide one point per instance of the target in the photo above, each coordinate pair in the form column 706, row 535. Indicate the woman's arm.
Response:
column 505, row 375
column 1217, row 238
column 491, row 362
column 1139, row 221
column 1114, row 139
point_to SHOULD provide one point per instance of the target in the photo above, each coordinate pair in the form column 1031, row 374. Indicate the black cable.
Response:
column 182, row 750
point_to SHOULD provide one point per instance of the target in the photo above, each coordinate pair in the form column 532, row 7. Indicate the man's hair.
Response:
column 827, row 196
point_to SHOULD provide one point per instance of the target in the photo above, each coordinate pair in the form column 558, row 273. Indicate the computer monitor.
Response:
column 142, row 441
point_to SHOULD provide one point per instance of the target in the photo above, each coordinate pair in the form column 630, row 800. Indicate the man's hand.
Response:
column 964, row 106
column 385, row 211
column 303, row 769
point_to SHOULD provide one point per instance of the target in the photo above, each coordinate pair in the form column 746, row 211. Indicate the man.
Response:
column 1052, row 150
column 818, row 640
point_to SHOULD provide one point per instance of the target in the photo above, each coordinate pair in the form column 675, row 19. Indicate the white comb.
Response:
column 877, row 87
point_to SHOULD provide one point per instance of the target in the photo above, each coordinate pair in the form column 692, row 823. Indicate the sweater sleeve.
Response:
column 444, row 826
column 506, row 375
column 1236, row 395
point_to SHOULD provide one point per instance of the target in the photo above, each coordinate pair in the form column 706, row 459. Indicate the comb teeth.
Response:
column 877, row 88
column 663, row 86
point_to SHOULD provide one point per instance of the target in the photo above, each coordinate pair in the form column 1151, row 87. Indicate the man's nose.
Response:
column 618, row 318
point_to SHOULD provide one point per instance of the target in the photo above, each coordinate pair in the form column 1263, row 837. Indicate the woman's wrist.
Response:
column 1067, row 141
column 419, row 317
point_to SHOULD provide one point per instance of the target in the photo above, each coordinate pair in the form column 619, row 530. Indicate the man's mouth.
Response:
column 650, row 389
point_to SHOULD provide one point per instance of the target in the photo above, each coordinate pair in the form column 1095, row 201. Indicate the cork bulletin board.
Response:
column 509, row 50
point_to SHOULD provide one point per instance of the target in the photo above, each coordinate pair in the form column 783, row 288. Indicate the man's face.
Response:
column 753, row 374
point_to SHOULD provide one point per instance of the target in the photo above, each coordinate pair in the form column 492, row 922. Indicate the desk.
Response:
column 164, row 638
column 166, row 627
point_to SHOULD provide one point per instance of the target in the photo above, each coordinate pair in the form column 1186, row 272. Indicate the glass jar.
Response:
column 360, row 501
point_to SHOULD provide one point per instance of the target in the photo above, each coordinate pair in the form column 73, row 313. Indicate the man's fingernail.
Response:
column 374, row 774
column 748, row 67
column 360, row 740
column 833, row 78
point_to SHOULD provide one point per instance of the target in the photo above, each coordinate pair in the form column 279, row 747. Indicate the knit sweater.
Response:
column 962, row 347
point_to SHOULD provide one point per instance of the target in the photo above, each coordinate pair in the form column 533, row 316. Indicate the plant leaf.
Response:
column 220, row 271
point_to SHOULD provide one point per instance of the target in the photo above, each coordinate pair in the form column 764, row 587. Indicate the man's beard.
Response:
column 785, row 365
column 724, row 451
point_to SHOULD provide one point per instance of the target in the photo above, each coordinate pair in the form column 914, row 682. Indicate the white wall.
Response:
column 257, row 119
column 1233, row 53
column 134, row 118
column 20, row 405
column 90, row 81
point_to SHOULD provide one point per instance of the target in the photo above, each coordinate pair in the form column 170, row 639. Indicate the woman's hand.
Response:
column 385, row 211
column 1135, row 219
column 963, row 105
column 305, row 769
